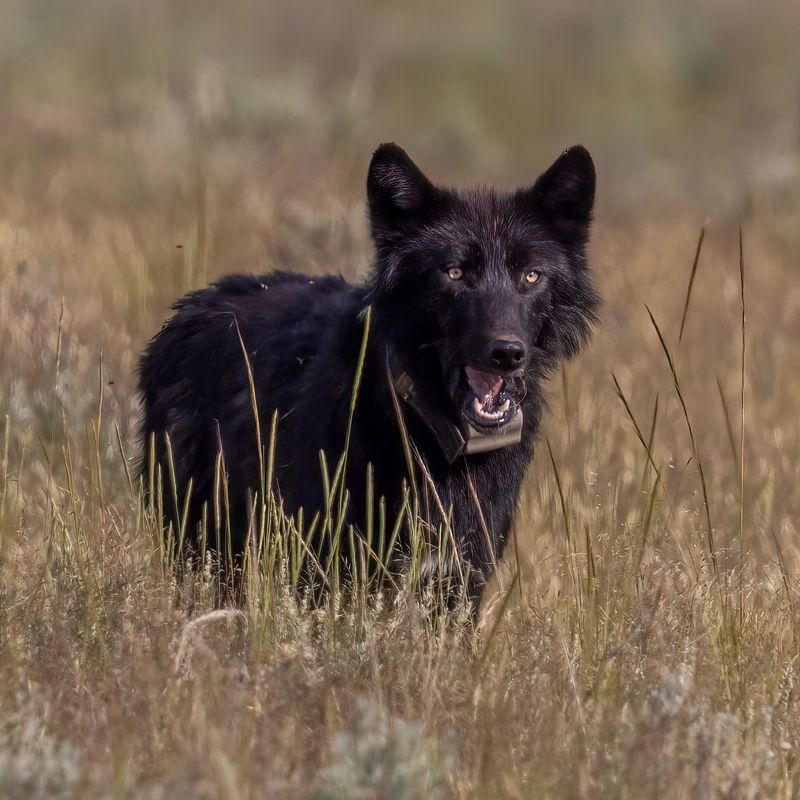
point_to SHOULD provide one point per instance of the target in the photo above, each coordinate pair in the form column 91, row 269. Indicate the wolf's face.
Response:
column 491, row 287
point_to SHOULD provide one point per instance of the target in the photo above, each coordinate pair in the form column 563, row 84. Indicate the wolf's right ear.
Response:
column 397, row 192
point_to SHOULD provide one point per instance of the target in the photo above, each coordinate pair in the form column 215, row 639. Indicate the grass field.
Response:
column 642, row 641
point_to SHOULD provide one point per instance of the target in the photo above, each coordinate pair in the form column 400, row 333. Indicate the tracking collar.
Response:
column 455, row 440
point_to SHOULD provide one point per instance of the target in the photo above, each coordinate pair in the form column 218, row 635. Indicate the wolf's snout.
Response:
column 508, row 354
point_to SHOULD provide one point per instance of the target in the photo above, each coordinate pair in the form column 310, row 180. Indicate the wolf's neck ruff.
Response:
column 454, row 440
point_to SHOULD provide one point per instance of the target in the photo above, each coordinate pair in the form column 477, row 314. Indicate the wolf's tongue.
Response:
column 486, row 387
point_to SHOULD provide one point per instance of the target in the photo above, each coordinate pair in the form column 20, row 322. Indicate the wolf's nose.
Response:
column 508, row 354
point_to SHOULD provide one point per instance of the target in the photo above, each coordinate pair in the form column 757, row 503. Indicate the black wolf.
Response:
column 475, row 296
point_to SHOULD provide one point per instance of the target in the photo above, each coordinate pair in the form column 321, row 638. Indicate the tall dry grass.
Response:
column 642, row 640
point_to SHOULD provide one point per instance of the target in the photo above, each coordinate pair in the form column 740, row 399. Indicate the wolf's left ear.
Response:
column 564, row 195
column 397, row 192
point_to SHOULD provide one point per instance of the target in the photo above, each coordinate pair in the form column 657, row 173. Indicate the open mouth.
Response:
column 490, row 401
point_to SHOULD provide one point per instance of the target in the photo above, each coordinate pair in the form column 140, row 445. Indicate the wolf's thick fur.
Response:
column 476, row 295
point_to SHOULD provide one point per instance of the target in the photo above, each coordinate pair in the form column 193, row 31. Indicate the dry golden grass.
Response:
column 641, row 654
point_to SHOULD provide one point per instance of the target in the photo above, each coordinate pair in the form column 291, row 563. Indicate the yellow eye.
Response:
column 533, row 276
column 455, row 273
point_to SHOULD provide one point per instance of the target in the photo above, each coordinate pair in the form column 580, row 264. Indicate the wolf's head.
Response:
column 482, row 292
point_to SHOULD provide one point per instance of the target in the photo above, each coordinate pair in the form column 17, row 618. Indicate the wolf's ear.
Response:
column 564, row 195
column 397, row 191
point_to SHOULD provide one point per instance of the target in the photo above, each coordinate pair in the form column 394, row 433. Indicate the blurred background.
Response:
column 147, row 147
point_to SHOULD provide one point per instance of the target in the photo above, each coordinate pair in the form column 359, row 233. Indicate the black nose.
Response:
column 508, row 354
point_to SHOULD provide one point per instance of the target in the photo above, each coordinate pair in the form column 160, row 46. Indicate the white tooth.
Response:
column 481, row 412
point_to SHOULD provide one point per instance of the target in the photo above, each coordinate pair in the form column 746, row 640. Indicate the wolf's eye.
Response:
column 532, row 276
column 455, row 273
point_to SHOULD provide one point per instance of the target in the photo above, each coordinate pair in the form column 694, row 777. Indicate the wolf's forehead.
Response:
column 491, row 227
column 490, row 215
